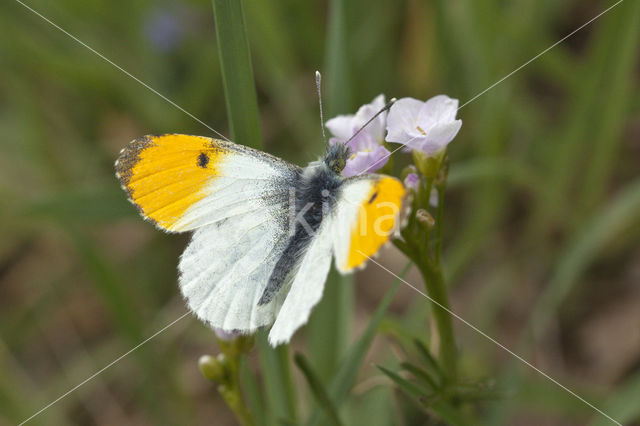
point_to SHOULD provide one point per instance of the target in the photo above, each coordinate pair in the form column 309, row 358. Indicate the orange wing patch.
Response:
column 164, row 175
column 377, row 217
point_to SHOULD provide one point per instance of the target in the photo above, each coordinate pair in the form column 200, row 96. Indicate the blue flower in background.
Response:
column 164, row 28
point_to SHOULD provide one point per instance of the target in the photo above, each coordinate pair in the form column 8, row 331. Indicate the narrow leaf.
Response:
column 420, row 374
column 237, row 72
column 318, row 390
column 408, row 387
column 429, row 360
column 347, row 372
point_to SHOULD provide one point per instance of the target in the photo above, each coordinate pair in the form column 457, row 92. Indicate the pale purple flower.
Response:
column 411, row 181
column 225, row 335
column 367, row 151
column 366, row 161
column 433, row 197
column 424, row 126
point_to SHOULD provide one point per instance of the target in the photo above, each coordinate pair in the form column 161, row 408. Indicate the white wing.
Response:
column 236, row 199
column 306, row 287
column 225, row 269
column 183, row 182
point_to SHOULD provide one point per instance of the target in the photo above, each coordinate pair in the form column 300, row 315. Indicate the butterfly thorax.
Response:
column 336, row 157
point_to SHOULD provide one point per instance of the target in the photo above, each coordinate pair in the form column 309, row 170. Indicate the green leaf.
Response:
column 616, row 216
column 420, row 374
column 237, row 73
column 408, row 387
column 442, row 409
column 251, row 392
column 329, row 326
column 277, row 379
column 347, row 372
column 80, row 205
column 514, row 171
column 428, row 359
column 614, row 99
column 622, row 405
column 318, row 390
column 242, row 106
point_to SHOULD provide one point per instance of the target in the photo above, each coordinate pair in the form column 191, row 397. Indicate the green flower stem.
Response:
column 423, row 202
column 436, row 288
column 224, row 370
column 233, row 398
column 439, row 219
column 417, row 246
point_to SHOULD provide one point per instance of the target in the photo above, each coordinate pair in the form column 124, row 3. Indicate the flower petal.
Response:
column 401, row 121
column 437, row 110
column 366, row 162
column 438, row 138
column 341, row 127
column 364, row 114
column 411, row 181
column 364, row 141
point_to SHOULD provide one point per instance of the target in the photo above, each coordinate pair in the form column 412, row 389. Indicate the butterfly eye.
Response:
column 337, row 165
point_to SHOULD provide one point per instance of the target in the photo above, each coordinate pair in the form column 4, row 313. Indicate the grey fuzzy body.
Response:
column 316, row 191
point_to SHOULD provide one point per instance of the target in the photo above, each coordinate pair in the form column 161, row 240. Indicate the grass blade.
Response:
column 613, row 103
column 347, row 372
column 251, row 392
column 277, row 380
column 616, row 216
column 318, row 390
column 408, row 387
column 427, row 357
column 329, row 327
column 237, row 72
column 242, row 106
column 623, row 404
column 419, row 373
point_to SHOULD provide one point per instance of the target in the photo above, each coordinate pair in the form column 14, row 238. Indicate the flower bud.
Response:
column 412, row 181
column 425, row 219
column 214, row 369
column 410, row 169
column 429, row 165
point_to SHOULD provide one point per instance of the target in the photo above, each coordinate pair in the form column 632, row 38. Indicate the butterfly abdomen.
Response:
column 315, row 196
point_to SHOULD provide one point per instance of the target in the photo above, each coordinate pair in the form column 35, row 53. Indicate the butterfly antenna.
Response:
column 384, row 108
column 318, row 83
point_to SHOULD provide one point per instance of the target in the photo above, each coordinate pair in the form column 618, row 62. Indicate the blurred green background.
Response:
column 542, row 234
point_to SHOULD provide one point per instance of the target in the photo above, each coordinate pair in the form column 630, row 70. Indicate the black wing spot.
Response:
column 373, row 197
column 203, row 160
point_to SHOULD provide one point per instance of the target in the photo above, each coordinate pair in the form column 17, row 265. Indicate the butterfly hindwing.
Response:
column 225, row 269
column 306, row 287
column 367, row 213
column 364, row 216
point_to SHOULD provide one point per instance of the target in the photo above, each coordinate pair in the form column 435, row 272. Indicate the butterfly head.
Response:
column 336, row 157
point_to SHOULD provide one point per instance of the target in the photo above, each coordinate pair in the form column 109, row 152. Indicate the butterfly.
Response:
column 264, row 231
